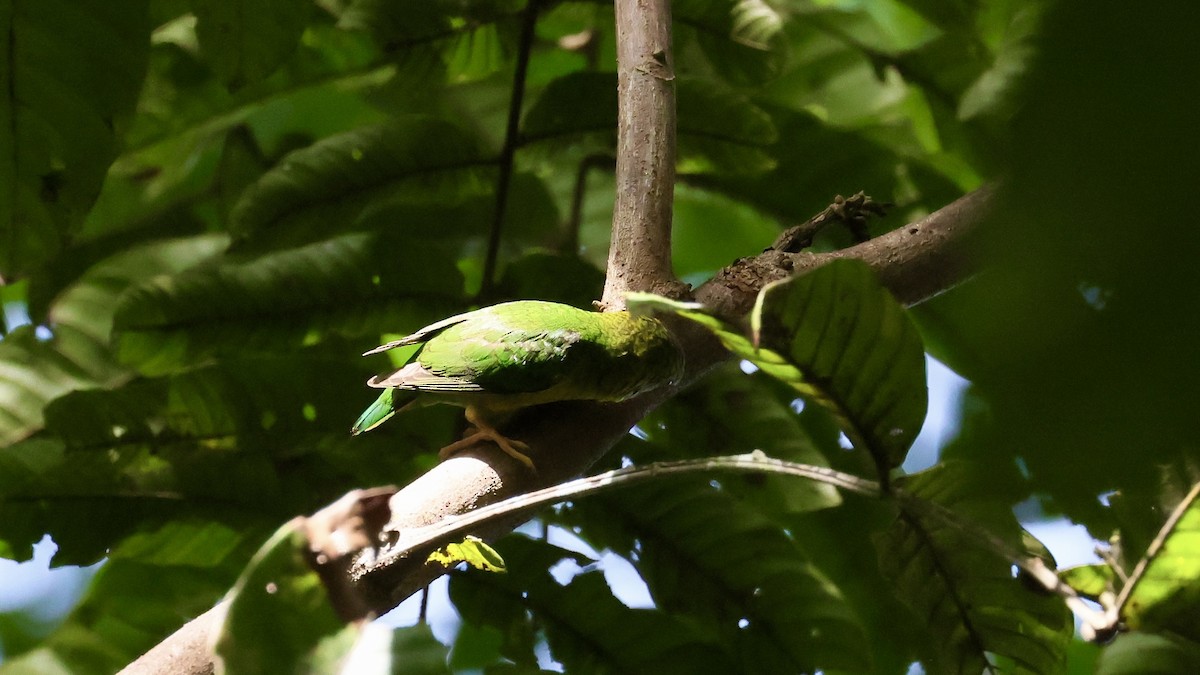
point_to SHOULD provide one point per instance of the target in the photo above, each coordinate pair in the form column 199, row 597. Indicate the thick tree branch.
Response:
column 915, row 261
column 639, row 256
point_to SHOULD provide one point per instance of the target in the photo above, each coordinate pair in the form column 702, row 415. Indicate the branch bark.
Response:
column 639, row 254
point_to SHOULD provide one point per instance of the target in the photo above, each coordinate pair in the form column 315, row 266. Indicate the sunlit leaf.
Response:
column 840, row 339
column 1166, row 596
column 1089, row 580
column 473, row 551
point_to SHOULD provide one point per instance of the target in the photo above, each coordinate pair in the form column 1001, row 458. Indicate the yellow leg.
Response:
column 486, row 432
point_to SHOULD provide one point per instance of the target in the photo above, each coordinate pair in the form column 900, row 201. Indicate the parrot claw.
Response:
column 485, row 432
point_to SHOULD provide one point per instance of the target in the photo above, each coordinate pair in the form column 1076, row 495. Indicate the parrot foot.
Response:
column 486, row 432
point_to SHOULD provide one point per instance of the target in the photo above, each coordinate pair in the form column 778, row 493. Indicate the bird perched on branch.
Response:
column 497, row 360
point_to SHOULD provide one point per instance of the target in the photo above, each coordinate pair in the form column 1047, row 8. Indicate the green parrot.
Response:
column 499, row 359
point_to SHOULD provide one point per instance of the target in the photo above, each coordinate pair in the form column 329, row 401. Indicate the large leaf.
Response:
column 967, row 596
column 323, row 187
column 719, row 130
column 70, row 71
column 140, row 595
column 245, row 40
column 44, row 488
column 35, row 370
column 351, row 286
column 839, row 338
column 588, row 629
column 1165, row 592
column 706, row 555
column 732, row 414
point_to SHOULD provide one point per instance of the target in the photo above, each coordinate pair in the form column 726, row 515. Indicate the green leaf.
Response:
column 140, row 595
column 588, row 629
column 35, row 371
column 335, row 179
column 1089, row 580
column 350, row 286
column 245, row 40
column 968, row 597
column 473, row 551
column 70, row 72
column 44, row 486
column 839, row 338
column 706, row 555
column 279, row 617
column 1166, row 596
column 1149, row 654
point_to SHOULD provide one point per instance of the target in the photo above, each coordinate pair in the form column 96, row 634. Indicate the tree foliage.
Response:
column 209, row 209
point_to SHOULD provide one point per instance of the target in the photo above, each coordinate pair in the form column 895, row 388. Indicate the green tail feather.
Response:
column 388, row 404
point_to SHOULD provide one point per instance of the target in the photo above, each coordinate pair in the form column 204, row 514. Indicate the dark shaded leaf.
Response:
column 245, row 40
column 348, row 286
column 741, row 39
column 969, row 597
column 70, row 71
column 323, row 187
column 588, row 629
column 707, row 556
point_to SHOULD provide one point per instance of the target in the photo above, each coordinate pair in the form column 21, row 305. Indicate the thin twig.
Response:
column 509, row 150
column 415, row 539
